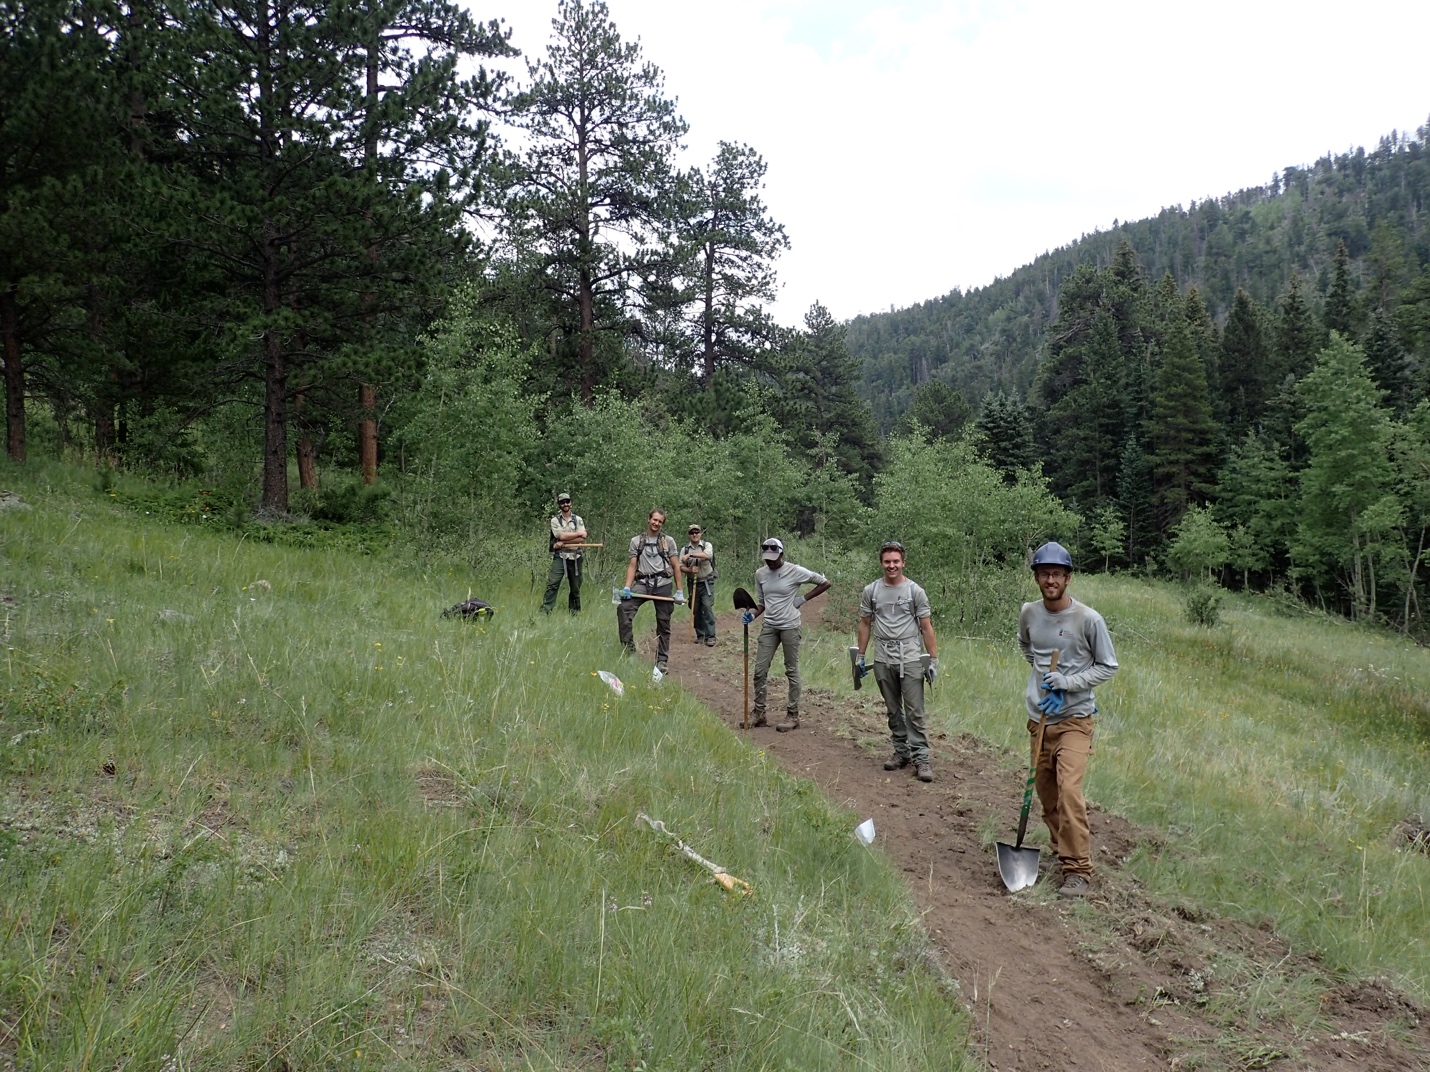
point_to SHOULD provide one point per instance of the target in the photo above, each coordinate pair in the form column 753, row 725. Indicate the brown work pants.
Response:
column 1061, row 769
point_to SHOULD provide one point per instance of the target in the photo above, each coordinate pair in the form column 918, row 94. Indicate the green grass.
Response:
column 1276, row 753
column 261, row 807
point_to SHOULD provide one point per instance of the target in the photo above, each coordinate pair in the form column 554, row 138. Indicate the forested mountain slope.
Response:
column 990, row 338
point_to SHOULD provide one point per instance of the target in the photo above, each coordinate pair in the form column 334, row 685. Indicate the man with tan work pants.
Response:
column 777, row 585
column 1063, row 697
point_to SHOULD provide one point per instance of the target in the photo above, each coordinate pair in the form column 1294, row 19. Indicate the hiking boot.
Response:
column 759, row 720
column 710, row 642
column 791, row 722
column 924, row 772
column 897, row 762
column 1075, row 886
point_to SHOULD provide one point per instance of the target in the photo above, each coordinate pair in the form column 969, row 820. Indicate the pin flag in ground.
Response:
column 611, row 680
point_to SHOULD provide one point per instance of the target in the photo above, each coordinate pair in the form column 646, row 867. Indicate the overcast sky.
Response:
column 915, row 146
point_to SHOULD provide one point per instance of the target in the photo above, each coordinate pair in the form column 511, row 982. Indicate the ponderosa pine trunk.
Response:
column 709, row 319
column 275, row 392
column 14, row 376
column 367, row 432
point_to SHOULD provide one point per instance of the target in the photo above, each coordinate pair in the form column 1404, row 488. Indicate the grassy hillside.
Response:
column 261, row 807
column 1274, row 755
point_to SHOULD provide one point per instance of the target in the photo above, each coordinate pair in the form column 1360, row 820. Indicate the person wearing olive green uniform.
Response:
column 697, row 561
column 567, row 530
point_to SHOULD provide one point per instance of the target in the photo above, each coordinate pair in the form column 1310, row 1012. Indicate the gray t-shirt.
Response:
column 896, row 610
column 1085, row 655
column 776, row 589
column 652, row 555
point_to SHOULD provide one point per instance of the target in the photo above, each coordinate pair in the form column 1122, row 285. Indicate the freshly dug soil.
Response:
column 1119, row 981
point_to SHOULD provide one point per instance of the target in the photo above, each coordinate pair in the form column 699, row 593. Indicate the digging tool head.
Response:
column 1017, row 867
column 743, row 600
column 854, row 668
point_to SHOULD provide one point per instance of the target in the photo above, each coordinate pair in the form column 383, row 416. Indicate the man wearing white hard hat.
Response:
column 777, row 585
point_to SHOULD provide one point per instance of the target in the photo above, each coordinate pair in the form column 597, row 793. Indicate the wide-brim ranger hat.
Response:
column 772, row 549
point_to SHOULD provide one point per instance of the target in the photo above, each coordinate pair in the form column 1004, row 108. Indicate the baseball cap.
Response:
column 772, row 549
column 565, row 496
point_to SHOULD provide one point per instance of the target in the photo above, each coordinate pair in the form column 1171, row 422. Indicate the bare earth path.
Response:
column 1115, row 984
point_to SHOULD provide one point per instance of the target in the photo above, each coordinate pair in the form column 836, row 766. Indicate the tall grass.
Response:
column 261, row 807
column 1276, row 753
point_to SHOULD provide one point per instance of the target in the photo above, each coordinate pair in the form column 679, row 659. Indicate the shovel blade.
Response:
column 1017, row 866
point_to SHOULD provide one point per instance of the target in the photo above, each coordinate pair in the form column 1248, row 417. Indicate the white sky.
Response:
column 915, row 146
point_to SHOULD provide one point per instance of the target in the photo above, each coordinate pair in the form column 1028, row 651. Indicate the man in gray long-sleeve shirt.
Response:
column 1063, row 697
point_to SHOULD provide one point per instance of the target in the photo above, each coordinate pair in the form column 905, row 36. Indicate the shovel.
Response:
column 744, row 601
column 1017, row 866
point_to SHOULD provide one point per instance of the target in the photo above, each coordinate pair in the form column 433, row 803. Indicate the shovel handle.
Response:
column 1033, row 764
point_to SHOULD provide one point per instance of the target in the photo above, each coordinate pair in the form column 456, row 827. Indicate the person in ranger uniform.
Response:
column 896, row 610
column 697, row 561
column 567, row 530
column 1063, row 697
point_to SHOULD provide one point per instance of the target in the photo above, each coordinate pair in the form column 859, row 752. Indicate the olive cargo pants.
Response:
column 770, row 639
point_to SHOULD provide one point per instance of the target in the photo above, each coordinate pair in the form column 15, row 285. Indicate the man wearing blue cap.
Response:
column 1063, row 699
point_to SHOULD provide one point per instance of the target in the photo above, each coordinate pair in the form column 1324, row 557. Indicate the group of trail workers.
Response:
column 1066, row 644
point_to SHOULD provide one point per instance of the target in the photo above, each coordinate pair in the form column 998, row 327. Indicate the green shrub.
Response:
column 1203, row 607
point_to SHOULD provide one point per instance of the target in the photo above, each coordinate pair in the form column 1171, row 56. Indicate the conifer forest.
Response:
column 323, row 264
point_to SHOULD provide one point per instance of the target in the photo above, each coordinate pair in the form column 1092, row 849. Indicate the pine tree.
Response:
column 815, row 378
column 1207, row 344
column 1082, row 387
column 1004, row 434
column 1136, row 497
column 1245, row 365
column 320, row 248
column 1340, row 302
column 1389, row 364
column 1297, row 338
column 937, row 408
column 597, row 182
column 733, row 244
column 1182, row 431
column 58, row 123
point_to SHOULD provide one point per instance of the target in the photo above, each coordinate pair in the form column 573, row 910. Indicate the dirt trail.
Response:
column 1118, row 984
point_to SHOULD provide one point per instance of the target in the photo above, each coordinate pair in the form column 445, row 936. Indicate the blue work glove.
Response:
column 932, row 671
column 1056, row 681
column 747, row 617
column 863, row 667
column 1052, row 703
column 798, row 602
column 626, row 593
column 679, row 596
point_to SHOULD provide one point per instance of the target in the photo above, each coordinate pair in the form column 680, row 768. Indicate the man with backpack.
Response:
column 567, row 530
column 896, row 610
column 653, row 566
column 697, row 561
